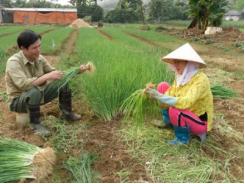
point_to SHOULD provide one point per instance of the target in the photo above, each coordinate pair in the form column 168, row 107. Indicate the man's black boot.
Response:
column 35, row 124
column 65, row 104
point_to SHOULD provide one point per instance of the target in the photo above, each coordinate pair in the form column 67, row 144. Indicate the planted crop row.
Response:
column 120, row 70
column 9, row 29
column 10, row 40
column 53, row 40
column 165, row 41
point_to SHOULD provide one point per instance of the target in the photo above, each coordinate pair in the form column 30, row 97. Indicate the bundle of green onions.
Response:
column 138, row 106
column 220, row 91
column 71, row 73
column 20, row 160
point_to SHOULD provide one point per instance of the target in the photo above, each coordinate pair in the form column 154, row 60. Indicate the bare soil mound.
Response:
column 79, row 23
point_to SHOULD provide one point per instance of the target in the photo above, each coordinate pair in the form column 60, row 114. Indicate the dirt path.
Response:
column 141, row 38
column 106, row 35
column 47, row 31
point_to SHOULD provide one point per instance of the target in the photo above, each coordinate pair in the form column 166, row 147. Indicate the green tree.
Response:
column 127, row 11
column 5, row 3
column 180, row 10
column 160, row 10
column 96, row 13
column 88, row 8
column 206, row 12
column 237, row 4
column 34, row 4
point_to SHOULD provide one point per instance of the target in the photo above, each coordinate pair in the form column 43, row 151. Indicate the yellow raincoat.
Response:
column 195, row 96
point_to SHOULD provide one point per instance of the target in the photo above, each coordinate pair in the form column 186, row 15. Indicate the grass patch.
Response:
column 3, row 58
column 65, row 135
column 220, row 91
column 236, row 24
column 167, row 163
column 3, row 96
column 81, row 168
column 123, row 175
column 238, row 75
column 181, row 163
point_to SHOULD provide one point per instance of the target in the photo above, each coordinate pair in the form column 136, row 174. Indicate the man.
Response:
column 29, row 77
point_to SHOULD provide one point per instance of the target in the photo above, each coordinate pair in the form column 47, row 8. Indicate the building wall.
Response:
column 230, row 17
column 29, row 17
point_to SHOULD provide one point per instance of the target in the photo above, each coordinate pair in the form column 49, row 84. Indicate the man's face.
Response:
column 33, row 51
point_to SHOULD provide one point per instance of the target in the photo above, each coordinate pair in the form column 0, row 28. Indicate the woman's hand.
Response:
column 148, row 88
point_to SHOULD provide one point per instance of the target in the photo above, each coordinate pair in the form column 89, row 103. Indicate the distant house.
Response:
column 39, row 15
column 232, row 15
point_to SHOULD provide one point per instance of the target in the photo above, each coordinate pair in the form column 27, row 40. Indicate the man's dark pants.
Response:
column 31, row 100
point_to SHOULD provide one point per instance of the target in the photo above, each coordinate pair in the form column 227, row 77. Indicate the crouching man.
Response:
column 30, row 82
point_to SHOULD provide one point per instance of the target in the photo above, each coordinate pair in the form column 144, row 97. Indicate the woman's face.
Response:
column 179, row 66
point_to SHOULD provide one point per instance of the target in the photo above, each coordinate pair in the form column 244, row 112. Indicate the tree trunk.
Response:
column 193, row 23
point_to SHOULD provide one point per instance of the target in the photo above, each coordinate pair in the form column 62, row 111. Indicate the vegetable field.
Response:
column 108, row 145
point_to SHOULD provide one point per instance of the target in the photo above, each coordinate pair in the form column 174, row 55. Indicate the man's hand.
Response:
column 55, row 75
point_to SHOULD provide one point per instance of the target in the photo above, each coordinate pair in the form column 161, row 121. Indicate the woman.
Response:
column 188, row 102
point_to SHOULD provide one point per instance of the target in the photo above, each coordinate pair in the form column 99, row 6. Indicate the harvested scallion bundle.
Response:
column 71, row 73
column 138, row 105
column 21, row 160
column 220, row 91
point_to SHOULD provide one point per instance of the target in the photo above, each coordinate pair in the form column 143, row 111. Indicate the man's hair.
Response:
column 27, row 38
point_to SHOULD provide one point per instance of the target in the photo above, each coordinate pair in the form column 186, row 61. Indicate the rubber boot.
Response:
column 182, row 135
column 35, row 124
column 203, row 137
column 166, row 120
column 65, row 104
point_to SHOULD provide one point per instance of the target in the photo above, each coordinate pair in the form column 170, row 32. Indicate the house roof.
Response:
column 43, row 9
column 233, row 13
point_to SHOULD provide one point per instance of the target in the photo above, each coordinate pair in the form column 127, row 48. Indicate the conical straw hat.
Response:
column 184, row 52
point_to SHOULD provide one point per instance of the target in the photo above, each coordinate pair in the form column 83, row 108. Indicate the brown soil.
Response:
column 106, row 35
column 47, row 31
column 227, row 35
column 79, row 23
column 228, row 38
column 112, row 154
column 69, row 43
